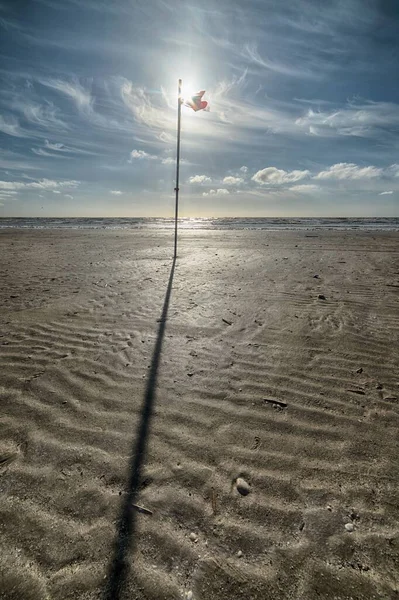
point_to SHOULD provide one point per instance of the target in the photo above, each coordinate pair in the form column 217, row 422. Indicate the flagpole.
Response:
column 177, row 160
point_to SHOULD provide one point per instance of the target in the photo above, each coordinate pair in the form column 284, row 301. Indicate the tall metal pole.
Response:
column 179, row 102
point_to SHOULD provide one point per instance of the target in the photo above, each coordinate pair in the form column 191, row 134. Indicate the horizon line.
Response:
column 206, row 217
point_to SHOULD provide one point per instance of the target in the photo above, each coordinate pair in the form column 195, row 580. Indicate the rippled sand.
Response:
column 126, row 380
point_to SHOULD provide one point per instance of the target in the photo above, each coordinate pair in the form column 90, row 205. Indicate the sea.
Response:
column 237, row 223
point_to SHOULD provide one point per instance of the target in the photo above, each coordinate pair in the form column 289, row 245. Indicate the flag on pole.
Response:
column 196, row 102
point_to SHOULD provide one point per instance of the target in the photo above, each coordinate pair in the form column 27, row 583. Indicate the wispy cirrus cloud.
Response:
column 58, row 147
column 250, row 52
column 7, row 195
column 59, row 150
column 393, row 170
column 42, row 184
column 10, row 126
column 41, row 152
column 116, row 192
column 388, row 193
column 145, row 112
column 101, row 111
column 42, row 115
column 366, row 119
column 74, row 90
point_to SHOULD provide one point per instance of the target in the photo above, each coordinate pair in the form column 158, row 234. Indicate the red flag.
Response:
column 196, row 102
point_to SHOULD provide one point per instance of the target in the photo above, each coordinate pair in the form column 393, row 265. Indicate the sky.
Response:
column 303, row 99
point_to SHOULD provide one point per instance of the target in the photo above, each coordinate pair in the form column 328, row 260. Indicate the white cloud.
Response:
column 273, row 176
column 12, row 185
column 218, row 192
column 386, row 193
column 244, row 169
column 199, row 179
column 303, row 189
column 233, row 180
column 66, row 196
column 140, row 154
column 42, row 184
column 172, row 161
column 56, row 192
column 349, row 171
column 116, row 192
column 45, row 184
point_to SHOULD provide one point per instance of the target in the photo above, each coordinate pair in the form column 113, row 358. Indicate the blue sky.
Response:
column 303, row 120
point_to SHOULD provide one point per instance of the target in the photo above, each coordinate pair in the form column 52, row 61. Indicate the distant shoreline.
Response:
column 192, row 223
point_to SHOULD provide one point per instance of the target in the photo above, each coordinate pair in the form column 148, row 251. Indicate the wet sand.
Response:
column 134, row 393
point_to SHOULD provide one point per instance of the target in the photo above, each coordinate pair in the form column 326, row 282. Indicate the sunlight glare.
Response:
column 187, row 90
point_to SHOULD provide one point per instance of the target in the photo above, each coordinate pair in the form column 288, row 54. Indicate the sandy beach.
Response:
column 218, row 428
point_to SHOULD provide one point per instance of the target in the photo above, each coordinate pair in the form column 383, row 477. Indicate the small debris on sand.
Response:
column 242, row 486
column 141, row 509
column 321, row 297
column 349, row 527
column 7, row 458
column 213, row 499
column 276, row 402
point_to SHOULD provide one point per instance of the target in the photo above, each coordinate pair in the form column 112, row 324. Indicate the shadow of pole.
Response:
column 119, row 566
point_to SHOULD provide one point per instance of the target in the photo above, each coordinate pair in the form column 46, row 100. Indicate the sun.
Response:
column 187, row 90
